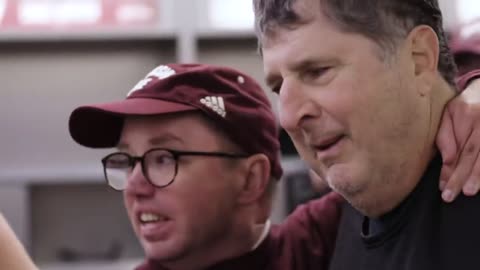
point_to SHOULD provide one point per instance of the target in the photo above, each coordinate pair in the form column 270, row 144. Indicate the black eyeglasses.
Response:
column 159, row 165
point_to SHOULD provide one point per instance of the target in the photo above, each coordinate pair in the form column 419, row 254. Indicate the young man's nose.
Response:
column 137, row 183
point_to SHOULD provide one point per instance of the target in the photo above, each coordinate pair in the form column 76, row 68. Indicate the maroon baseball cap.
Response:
column 232, row 100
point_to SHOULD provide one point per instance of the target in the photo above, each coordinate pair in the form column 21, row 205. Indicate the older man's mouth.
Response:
column 328, row 147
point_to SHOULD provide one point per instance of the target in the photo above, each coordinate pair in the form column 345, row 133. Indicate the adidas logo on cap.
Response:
column 216, row 104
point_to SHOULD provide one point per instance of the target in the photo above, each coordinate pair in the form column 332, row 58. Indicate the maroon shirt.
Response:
column 305, row 240
column 464, row 80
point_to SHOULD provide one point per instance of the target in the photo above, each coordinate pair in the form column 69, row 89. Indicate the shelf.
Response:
column 50, row 176
column 97, row 35
column 219, row 34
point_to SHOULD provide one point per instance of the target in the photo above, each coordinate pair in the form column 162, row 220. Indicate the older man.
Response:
column 362, row 86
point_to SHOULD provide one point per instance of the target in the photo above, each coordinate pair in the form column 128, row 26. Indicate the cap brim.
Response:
column 100, row 125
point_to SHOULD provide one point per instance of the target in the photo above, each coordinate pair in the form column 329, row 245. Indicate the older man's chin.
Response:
column 353, row 190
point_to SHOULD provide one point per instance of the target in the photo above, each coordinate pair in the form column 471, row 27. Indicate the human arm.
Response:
column 458, row 140
column 13, row 255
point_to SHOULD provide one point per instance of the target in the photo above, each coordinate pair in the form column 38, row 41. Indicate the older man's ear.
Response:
column 424, row 50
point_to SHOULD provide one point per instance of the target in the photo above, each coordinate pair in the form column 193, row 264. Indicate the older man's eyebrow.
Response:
column 272, row 80
column 304, row 64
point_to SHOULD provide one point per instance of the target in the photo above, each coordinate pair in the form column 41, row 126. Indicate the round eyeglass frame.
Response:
column 176, row 154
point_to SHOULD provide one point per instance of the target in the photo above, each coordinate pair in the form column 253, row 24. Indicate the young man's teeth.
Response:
column 148, row 217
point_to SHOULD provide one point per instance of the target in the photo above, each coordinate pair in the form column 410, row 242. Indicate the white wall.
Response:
column 43, row 83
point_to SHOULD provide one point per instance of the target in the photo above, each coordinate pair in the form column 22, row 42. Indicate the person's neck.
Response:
column 441, row 94
column 261, row 232
column 236, row 243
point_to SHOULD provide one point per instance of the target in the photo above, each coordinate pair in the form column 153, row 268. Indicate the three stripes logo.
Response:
column 216, row 104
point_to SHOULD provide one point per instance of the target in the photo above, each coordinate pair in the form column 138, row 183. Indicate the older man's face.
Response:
column 356, row 118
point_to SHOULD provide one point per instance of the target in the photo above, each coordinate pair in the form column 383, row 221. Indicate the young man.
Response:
column 197, row 161
column 362, row 87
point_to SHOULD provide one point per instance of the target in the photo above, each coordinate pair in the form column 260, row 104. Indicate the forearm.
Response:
column 464, row 80
column 13, row 255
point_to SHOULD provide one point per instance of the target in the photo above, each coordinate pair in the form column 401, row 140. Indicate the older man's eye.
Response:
column 275, row 89
column 314, row 73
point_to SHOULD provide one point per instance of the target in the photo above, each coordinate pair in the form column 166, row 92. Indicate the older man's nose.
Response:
column 295, row 107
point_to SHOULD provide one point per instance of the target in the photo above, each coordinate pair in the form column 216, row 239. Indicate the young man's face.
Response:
column 197, row 210
column 355, row 117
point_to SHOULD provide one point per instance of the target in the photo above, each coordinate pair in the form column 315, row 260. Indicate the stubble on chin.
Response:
column 355, row 191
column 342, row 182
column 370, row 194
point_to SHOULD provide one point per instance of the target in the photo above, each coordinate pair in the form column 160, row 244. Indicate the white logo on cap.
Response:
column 216, row 104
column 159, row 73
column 240, row 80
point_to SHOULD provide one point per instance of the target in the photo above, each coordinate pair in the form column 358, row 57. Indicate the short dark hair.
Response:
column 383, row 21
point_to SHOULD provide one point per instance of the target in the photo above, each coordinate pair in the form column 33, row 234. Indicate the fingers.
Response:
column 472, row 149
column 460, row 178
column 445, row 175
column 473, row 183
column 447, row 145
column 463, row 171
